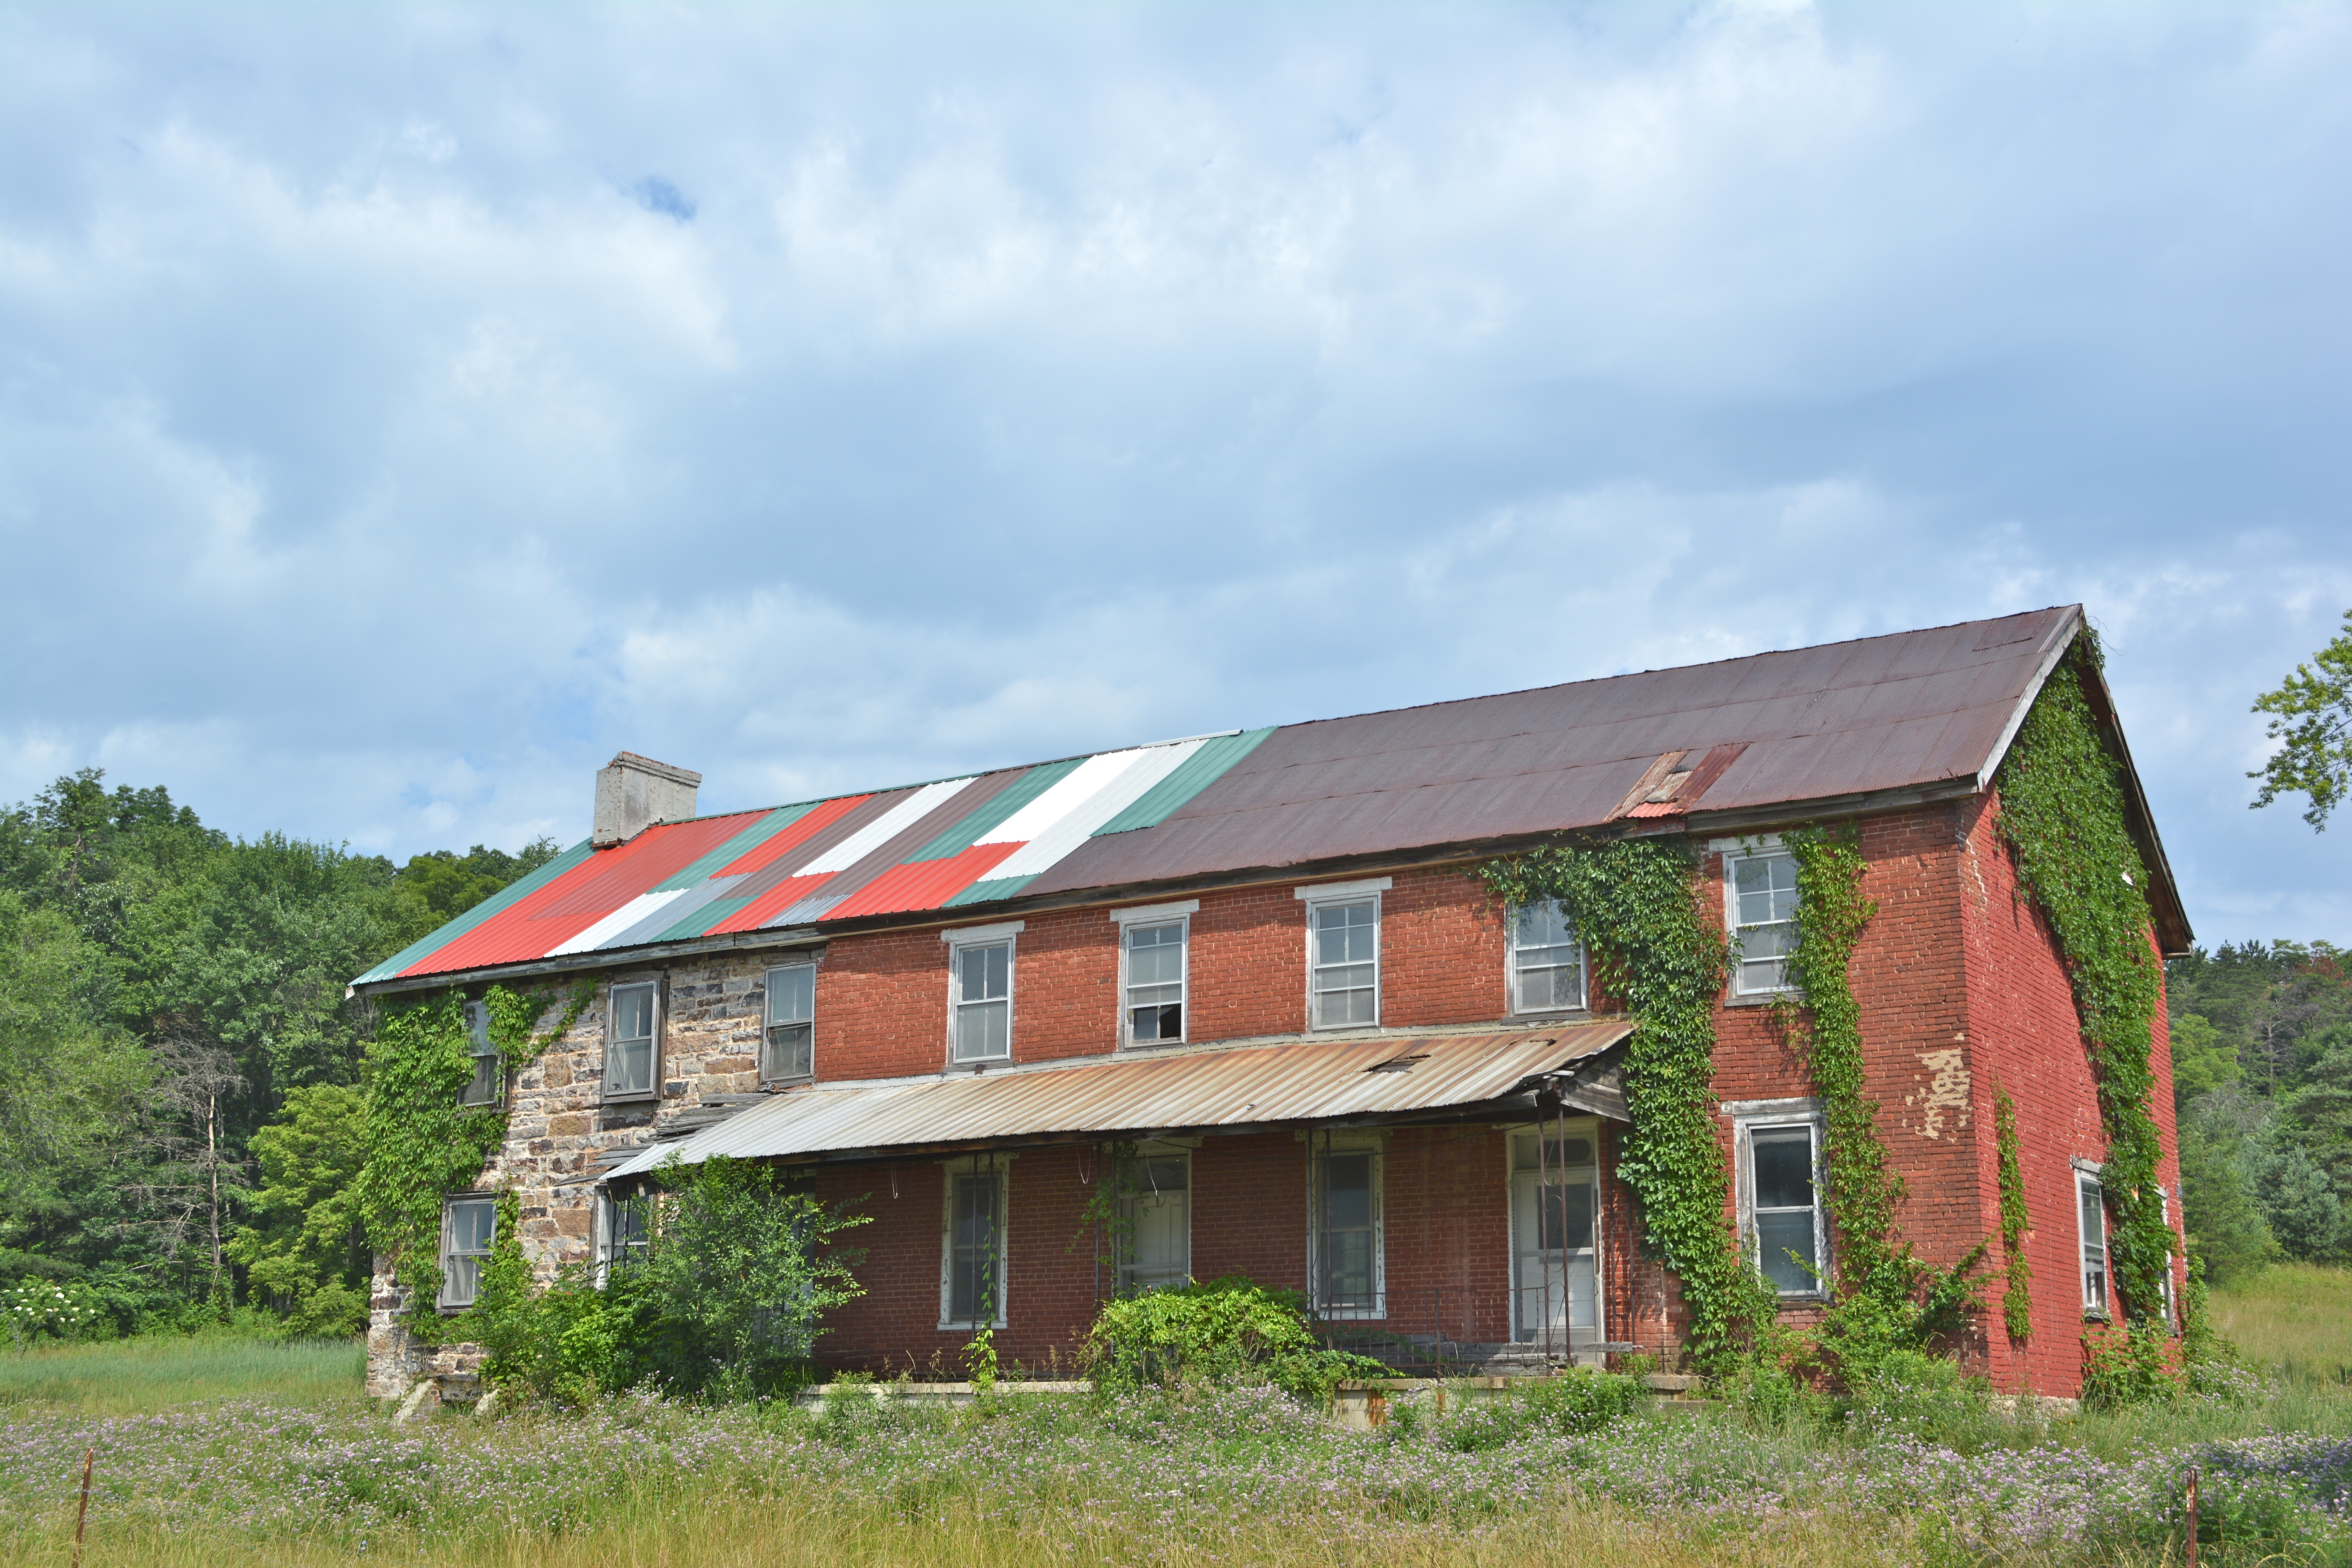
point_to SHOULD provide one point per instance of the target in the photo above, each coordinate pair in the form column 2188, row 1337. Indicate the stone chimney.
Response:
column 633, row 793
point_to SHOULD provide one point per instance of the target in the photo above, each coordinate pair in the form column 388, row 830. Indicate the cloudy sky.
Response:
column 403, row 408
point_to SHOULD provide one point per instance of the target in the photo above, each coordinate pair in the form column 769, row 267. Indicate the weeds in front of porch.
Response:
column 1213, row 1474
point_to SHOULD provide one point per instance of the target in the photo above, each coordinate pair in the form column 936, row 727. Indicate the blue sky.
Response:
column 403, row 408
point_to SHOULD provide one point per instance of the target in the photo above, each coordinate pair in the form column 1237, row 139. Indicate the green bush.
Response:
column 725, row 1302
column 1914, row 1394
column 1229, row 1330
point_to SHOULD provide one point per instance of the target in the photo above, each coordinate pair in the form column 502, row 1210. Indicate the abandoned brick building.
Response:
column 1265, row 961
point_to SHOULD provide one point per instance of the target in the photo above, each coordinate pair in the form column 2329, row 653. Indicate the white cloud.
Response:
column 402, row 410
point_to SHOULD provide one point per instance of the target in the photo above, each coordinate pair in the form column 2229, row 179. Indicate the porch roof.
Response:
column 1222, row 1088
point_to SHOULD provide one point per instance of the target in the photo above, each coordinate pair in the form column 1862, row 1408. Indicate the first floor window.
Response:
column 1547, row 961
column 1784, row 1207
column 629, row 1041
column 1344, row 974
column 983, row 1001
column 972, row 1293
column 790, row 1051
column 489, row 1071
column 622, row 1229
column 2091, row 1199
column 1346, row 1251
column 1155, row 983
column 469, row 1228
column 1763, row 908
column 1156, row 1216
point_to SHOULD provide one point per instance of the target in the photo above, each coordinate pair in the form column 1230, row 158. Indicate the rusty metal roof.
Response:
column 1819, row 729
column 1300, row 1081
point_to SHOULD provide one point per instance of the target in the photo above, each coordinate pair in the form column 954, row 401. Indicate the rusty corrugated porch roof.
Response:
column 1222, row 1088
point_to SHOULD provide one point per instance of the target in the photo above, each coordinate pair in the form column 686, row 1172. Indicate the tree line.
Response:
column 179, row 1067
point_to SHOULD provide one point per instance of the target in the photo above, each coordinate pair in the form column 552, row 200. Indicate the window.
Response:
column 2091, row 1200
column 1156, row 1207
column 983, row 984
column 1547, row 961
column 789, row 1050
column 620, row 1232
column 469, row 1228
column 972, row 1284
column 1345, row 978
column 1344, row 1248
column 2171, row 1307
column 489, row 1070
column 1763, row 909
column 1783, row 1205
column 632, row 1032
column 1155, row 956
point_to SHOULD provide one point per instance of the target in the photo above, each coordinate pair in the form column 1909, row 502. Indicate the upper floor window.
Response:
column 1762, row 903
column 632, row 1039
column 2091, row 1202
column 1547, row 961
column 789, row 1051
column 490, row 1080
column 981, row 999
column 1343, row 962
column 469, row 1227
column 1155, row 956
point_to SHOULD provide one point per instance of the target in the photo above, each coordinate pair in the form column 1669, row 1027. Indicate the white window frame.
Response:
column 1320, row 1147
column 957, row 940
column 2164, row 1213
column 608, row 1248
column 1001, row 1165
column 652, row 1092
column 1768, row 848
column 1511, row 913
column 448, row 1301
column 1748, row 1118
column 1179, row 914
column 1327, row 895
column 1554, row 1130
column 2088, row 1179
column 483, row 1050
column 768, row 1024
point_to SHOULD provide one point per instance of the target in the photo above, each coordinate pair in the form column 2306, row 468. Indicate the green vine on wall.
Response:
column 2017, row 1300
column 2061, row 815
column 1636, row 903
column 1885, row 1299
column 1863, row 1190
column 422, row 1143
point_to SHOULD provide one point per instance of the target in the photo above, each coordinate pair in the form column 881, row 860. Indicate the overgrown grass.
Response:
column 129, row 1378
column 2293, row 1317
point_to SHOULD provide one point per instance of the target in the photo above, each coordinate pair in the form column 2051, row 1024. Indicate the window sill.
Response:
column 1758, row 998
column 773, row 1084
column 627, row 1099
column 1803, row 1297
column 1145, row 1047
column 982, row 1065
column 1554, row 1015
column 966, row 1326
column 1351, row 1315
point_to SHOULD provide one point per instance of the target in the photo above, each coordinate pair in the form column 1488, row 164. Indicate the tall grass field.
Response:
column 210, row 1452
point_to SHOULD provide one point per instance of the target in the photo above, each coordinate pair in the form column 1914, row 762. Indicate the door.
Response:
column 1554, row 1264
column 1159, row 1215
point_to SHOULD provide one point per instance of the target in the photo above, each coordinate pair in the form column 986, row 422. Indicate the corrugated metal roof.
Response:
column 1882, row 714
column 1308, row 1080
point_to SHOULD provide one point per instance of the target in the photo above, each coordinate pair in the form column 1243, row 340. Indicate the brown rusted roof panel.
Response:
column 1304, row 1080
column 1908, row 710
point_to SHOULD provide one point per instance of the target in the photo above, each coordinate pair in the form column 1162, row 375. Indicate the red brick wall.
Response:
column 882, row 1000
column 2029, row 1041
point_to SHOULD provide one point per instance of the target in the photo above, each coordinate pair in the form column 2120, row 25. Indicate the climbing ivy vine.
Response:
column 1636, row 903
column 2061, row 815
column 2017, row 1300
column 1884, row 1297
column 422, row 1143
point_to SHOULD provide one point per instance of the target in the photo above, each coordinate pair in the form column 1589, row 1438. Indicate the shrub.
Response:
column 1914, row 1394
column 1226, row 1330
